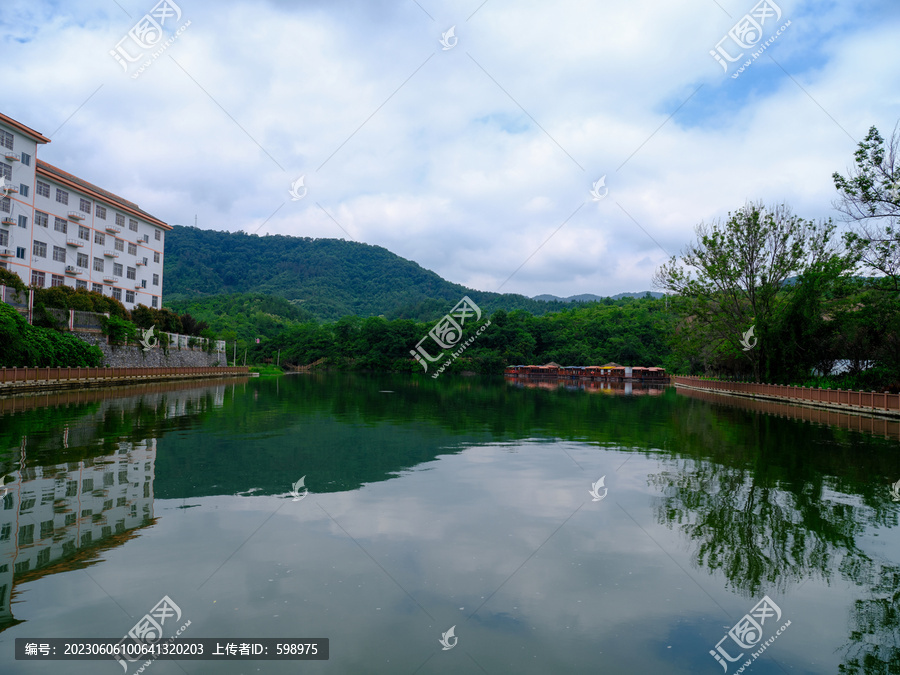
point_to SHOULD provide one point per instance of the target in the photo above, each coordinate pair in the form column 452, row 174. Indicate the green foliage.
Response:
column 81, row 299
column 328, row 278
column 22, row 345
column 119, row 330
column 627, row 331
column 10, row 278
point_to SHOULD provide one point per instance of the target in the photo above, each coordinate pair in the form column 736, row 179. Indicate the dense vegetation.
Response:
column 329, row 278
column 24, row 345
column 627, row 331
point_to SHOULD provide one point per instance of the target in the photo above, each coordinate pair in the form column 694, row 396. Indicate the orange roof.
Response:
column 22, row 129
column 61, row 176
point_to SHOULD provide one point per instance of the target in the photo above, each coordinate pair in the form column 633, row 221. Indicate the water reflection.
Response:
column 450, row 484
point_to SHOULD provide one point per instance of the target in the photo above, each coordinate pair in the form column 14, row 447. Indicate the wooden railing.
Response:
column 872, row 400
column 74, row 374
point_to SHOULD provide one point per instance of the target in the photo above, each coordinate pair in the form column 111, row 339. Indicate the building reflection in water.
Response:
column 56, row 517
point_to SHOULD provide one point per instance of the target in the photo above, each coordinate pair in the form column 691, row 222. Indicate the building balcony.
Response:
column 140, row 262
column 11, row 156
column 75, row 242
column 76, row 215
column 7, row 221
column 5, row 253
column 138, row 287
column 11, row 190
column 111, row 254
column 113, row 229
column 110, row 279
column 71, row 269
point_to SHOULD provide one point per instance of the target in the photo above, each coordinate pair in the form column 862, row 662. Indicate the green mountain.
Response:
column 590, row 297
column 323, row 279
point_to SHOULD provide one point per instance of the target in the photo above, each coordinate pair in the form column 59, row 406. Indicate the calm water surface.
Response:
column 462, row 503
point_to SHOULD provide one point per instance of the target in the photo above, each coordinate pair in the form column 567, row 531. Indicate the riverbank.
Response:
column 21, row 380
column 866, row 403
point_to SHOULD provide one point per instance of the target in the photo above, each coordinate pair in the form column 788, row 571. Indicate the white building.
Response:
column 57, row 229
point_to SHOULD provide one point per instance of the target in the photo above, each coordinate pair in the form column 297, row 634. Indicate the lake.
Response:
column 719, row 538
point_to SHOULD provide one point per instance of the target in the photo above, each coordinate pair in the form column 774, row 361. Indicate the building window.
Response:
column 26, row 159
column 145, row 260
column 117, row 269
column 40, row 249
column 117, row 294
column 5, row 171
column 4, row 205
column 156, row 280
column 84, row 233
column 43, row 189
column 60, row 225
column 62, row 196
column 41, row 219
column 119, row 245
column 100, row 212
column 153, row 301
column 131, row 273
column 20, row 252
column 146, row 238
column 157, row 235
column 57, row 280
column 81, row 283
column 23, row 190
column 98, row 264
column 156, row 257
column 59, row 254
column 97, row 288
column 81, row 260
column 120, row 220
column 6, row 139
column 99, row 238
column 143, row 283
column 23, row 221
column 129, row 296
column 84, row 205
column 132, row 224
column 37, row 278
column 132, row 248
column 4, row 238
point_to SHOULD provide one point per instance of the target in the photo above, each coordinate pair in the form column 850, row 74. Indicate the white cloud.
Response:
column 447, row 168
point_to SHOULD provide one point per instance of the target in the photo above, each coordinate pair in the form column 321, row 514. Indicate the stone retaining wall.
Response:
column 133, row 356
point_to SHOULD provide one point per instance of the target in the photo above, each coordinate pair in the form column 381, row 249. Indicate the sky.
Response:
column 524, row 147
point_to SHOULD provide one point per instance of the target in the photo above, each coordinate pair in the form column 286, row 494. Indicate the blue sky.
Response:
column 468, row 160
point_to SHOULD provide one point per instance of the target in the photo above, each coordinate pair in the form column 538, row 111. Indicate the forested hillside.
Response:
column 327, row 278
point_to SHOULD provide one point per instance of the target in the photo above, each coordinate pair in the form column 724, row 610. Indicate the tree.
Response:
column 737, row 276
column 870, row 198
